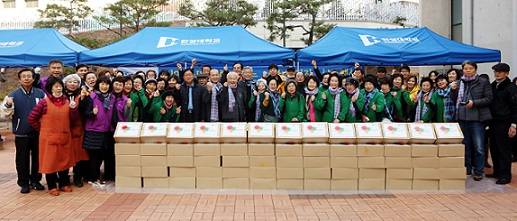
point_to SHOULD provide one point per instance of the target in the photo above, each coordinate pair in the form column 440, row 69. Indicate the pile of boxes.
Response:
column 294, row 156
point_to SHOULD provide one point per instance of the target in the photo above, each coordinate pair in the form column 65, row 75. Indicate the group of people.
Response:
column 74, row 116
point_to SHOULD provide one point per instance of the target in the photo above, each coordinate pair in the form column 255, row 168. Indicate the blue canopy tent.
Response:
column 391, row 47
column 209, row 45
column 34, row 47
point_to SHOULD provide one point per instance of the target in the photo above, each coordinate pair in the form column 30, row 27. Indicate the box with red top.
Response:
column 395, row 133
column 448, row 133
column 128, row 132
column 420, row 133
column 234, row 132
column 261, row 133
column 180, row 133
column 290, row 133
column 206, row 132
column 341, row 133
column 368, row 133
column 154, row 133
column 315, row 132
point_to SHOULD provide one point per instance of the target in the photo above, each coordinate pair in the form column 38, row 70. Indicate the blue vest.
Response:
column 23, row 105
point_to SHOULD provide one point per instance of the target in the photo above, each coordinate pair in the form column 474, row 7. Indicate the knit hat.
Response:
column 353, row 81
column 261, row 81
column 72, row 77
column 151, row 80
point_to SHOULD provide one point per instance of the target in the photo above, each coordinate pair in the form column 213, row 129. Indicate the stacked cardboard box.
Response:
column 316, row 156
column 235, row 159
column 207, row 156
column 153, row 151
column 289, row 157
column 398, row 162
column 180, row 156
column 451, row 153
column 343, row 157
column 262, row 158
column 127, row 155
column 370, row 156
column 424, row 155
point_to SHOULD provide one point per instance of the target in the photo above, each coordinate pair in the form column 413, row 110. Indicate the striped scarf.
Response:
column 461, row 92
column 421, row 108
column 449, row 105
column 337, row 98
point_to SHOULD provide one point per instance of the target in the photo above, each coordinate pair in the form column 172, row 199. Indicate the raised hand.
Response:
column 162, row 111
column 73, row 104
column 95, row 110
column 314, row 63
column 129, row 102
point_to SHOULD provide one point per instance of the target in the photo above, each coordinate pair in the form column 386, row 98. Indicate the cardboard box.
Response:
column 206, row 132
column 345, row 173
column 395, row 133
column 182, row 172
column 153, row 182
column 155, row 172
column 367, row 184
column 128, row 132
column 236, row 183
column 289, row 184
column 370, row 150
column 180, row 149
column 452, row 173
column 263, row 172
column 182, row 182
column 262, row 161
column 458, row 185
column 128, row 160
column 399, row 162
column 180, row 161
column 289, row 173
column 368, row 133
column 259, row 183
column 426, row 173
column 448, row 133
column 148, row 149
column 261, row 133
column 343, row 162
column 127, row 149
column 289, row 133
column 180, row 133
column 128, row 171
column 316, row 184
column 315, row 132
column 228, row 149
column 316, row 173
column 207, row 149
column 395, row 150
column 372, row 173
column 128, row 182
column 344, row 185
column 428, row 185
column 209, row 172
column 236, row 172
column 154, row 133
column 236, row 161
column 343, row 150
column 423, row 150
column 289, row 162
column 426, row 162
column 405, row 174
column 234, row 132
column 341, row 133
column 451, row 150
column 153, row 161
column 207, row 161
column 209, row 182
column 452, row 162
column 255, row 149
column 371, row 162
column 399, row 184
column 420, row 133
column 316, row 162
column 316, row 150
column 284, row 150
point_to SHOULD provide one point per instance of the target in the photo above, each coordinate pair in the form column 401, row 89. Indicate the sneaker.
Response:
column 37, row 186
column 78, row 182
column 503, row 181
column 477, row 177
column 25, row 189
column 54, row 192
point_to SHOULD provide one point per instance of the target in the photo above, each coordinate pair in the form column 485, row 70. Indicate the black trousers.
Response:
column 501, row 149
column 94, row 165
column 109, row 159
column 81, row 170
column 27, row 160
column 53, row 179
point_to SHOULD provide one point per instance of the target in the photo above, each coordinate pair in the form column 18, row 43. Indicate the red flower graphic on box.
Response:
column 286, row 128
column 258, row 127
column 392, row 128
column 151, row 127
column 311, row 128
column 203, row 128
column 230, row 128
column 339, row 129
column 419, row 129
column 445, row 129
column 124, row 127
column 178, row 128
column 365, row 128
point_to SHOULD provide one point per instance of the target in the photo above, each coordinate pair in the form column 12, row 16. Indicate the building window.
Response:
column 456, row 21
column 9, row 3
column 31, row 3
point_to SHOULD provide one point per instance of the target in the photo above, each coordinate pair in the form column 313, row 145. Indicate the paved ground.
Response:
column 482, row 201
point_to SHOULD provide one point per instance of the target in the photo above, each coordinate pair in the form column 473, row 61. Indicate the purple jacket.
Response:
column 120, row 107
column 102, row 121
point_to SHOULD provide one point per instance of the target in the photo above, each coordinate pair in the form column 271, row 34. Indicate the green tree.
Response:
column 64, row 17
column 277, row 22
column 316, row 28
column 130, row 14
column 221, row 13
column 400, row 21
